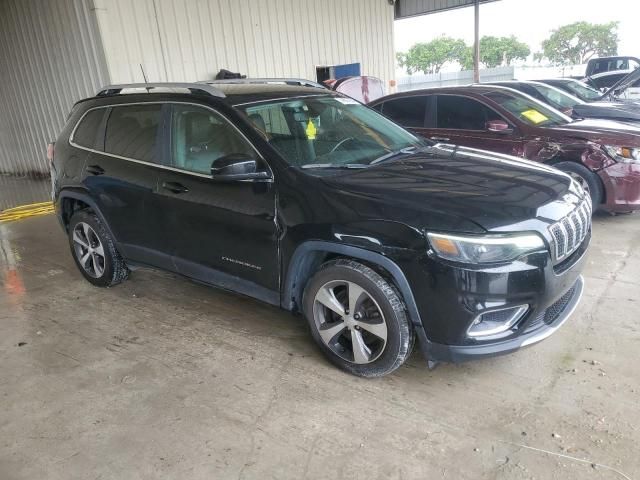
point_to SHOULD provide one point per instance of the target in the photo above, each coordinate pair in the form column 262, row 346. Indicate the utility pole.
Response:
column 476, row 44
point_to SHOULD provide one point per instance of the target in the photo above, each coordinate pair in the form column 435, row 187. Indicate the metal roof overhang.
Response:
column 414, row 8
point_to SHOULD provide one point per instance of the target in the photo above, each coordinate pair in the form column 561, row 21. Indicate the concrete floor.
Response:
column 164, row 378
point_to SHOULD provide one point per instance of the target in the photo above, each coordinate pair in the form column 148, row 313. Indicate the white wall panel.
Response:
column 186, row 40
column 50, row 57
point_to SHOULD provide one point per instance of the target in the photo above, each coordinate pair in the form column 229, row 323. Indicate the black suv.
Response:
column 308, row 200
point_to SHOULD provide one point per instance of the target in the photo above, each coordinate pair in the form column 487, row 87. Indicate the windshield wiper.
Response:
column 394, row 154
column 335, row 165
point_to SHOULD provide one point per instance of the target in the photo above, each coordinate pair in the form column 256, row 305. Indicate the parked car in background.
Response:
column 573, row 106
column 308, row 200
column 602, row 155
column 550, row 95
column 610, row 64
column 574, row 87
column 617, row 85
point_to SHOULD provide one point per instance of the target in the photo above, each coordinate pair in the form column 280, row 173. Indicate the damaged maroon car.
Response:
column 602, row 155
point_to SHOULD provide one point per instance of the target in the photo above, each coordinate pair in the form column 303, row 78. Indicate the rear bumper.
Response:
column 622, row 187
column 460, row 353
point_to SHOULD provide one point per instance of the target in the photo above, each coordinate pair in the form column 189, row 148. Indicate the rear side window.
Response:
column 86, row 134
column 462, row 113
column 132, row 132
column 407, row 111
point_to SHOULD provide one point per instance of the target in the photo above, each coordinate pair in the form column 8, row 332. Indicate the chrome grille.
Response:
column 569, row 232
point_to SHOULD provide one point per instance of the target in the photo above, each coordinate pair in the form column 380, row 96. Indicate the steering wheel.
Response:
column 340, row 143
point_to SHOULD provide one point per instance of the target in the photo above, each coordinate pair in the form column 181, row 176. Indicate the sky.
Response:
column 529, row 20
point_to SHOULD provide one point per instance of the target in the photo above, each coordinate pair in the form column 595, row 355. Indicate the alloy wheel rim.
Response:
column 350, row 322
column 89, row 250
column 581, row 181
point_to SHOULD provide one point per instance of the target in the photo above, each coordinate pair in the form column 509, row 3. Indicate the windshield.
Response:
column 583, row 91
column 328, row 131
column 528, row 110
column 556, row 98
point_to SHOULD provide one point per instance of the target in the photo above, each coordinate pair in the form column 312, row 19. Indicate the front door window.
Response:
column 200, row 137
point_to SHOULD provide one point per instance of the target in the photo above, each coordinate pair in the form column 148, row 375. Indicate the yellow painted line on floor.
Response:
column 26, row 211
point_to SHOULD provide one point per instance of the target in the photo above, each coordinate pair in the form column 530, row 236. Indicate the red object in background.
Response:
column 13, row 283
column 50, row 152
column 364, row 89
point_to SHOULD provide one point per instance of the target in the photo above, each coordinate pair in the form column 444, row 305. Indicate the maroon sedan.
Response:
column 602, row 155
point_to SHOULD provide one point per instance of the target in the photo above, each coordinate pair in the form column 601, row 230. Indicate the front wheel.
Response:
column 358, row 319
column 589, row 181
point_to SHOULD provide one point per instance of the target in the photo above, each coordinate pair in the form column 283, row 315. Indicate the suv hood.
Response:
column 459, row 189
column 609, row 110
column 601, row 131
column 622, row 84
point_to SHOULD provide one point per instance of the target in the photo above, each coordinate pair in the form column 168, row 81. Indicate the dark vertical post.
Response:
column 476, row 44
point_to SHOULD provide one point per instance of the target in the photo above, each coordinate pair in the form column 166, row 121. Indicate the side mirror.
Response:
column 237, row 166
column 498, row 126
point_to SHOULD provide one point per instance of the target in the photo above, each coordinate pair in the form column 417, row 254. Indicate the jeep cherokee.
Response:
column 308, row 200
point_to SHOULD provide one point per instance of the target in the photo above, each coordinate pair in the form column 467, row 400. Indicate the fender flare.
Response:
column 292, row 292
column 85, row 198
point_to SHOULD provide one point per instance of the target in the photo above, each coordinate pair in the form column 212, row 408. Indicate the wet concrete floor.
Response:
column 163, row 378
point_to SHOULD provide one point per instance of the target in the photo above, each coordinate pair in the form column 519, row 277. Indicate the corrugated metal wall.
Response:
column 186, row 40
column 412, row 8
column 50, row 56
column 54, row 52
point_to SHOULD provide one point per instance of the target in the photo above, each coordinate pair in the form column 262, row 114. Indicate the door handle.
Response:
column 95, row 169
column 174, row 187
column 440, row 139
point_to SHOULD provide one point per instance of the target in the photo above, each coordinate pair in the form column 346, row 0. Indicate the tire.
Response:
column 94, row 252
column 587, row 180
column 379, row 324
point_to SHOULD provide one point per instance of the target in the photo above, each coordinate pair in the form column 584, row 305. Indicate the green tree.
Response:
column 431, row 56
column 495, row 51
column 578, row 42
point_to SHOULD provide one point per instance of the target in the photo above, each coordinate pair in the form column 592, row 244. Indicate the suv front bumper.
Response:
column 450, row 297
column 460, row 353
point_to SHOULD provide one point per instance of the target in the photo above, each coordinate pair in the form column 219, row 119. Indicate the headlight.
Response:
column 485, row 249
column 623, row 154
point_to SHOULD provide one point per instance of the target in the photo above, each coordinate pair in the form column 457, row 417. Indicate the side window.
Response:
column 406, row 111
column 200, row 136
column 462, row 113
column 86, row 133
column 132, row 132
column 598, row 67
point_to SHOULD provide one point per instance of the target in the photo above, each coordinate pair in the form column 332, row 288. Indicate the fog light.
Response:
column 496, row 322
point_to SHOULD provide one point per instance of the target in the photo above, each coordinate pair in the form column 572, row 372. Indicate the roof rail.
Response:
column 288, row 81
column 191, row 87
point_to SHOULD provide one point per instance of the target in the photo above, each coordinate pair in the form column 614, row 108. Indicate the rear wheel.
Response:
column 357, row 319
column 589, row 181
column 94, row 250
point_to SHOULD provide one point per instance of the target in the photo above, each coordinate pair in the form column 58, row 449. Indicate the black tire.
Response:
column 587, row 177
column 112, row 269
column 400, row 336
